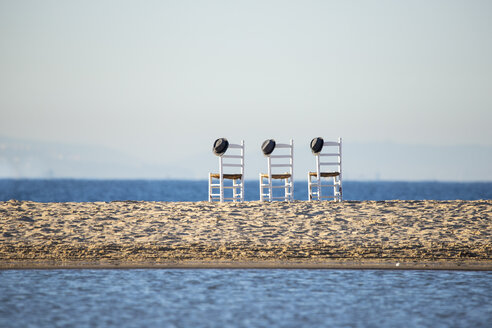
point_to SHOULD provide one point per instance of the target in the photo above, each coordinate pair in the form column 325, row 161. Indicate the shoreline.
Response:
column 418, row 235
column 329, row 265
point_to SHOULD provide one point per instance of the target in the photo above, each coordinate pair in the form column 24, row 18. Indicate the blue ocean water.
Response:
column 74, row 190
column 245, row 298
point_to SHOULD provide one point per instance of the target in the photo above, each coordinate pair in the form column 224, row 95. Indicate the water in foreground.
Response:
column 244, row 298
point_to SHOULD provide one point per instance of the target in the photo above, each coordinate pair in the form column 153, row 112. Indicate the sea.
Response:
column 240, row 297
column 79, row 190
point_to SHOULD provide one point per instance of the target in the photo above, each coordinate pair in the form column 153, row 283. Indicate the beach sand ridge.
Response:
column 133, row 232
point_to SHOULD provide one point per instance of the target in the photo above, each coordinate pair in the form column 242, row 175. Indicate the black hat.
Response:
column 317, row 145
column 220, row 146
column 268, row 146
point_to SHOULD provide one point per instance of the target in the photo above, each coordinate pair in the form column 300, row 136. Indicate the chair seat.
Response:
column 324, row 174
column 226, row 176
column 277, row 176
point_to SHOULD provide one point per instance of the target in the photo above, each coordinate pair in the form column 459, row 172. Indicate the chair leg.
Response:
column 286, row 189
column 209, row 187
column 339, row 185
column 261, row 188
column 337, row 198
column 291, row 189
column 241, row 189
column 310, row 186
column 337, row 190
column 238, row 190
column 221, row 187
column 310, row 194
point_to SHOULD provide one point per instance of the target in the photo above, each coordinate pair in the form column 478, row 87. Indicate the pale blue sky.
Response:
column 155, row 78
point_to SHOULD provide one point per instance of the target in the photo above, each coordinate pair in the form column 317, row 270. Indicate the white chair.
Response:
column 328, row 169
column 231, row 167
column 283, row 160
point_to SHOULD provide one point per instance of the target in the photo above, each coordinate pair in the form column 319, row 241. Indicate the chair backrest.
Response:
column 329, row 159
column 232, row 160
column 282, row 158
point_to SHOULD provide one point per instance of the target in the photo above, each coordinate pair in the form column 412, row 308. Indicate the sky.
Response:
column 159, row 81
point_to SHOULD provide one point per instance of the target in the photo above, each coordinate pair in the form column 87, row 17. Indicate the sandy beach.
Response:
column 389, row 234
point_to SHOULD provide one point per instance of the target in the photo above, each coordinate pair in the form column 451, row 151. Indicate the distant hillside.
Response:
column 371, row 161
column 388, row 161
column 33, row 159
